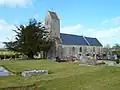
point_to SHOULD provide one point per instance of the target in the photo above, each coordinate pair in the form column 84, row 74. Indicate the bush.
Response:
column 103, row 62
column 117, row 61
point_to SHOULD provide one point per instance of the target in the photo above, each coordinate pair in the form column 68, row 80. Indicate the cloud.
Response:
column 112, row 20
column 105, row 36
column 4, row 25
column 71, row 29
column 105, row 21
column 116, row 19
column 6, row 31
column 16, row 3
column 1, row 45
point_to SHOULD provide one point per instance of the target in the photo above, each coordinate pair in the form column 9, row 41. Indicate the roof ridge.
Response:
column 91, row 37
column 79, row 36
column 71, row 34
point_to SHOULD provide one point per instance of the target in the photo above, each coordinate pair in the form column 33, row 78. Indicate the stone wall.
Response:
column 68, row 50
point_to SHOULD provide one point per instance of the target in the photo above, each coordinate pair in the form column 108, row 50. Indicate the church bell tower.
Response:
column 52, row 24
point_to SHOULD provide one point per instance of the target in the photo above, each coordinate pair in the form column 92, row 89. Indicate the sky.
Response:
column 91, row 18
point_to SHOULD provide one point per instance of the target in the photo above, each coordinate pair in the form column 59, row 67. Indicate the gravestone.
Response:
column 83, row 59
column 34, row 72
column 91, row 60
column 115, row 57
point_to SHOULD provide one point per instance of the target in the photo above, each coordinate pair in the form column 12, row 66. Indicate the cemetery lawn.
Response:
column 63, row 76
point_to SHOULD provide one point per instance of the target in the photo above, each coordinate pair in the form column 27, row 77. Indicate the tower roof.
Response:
column 53, row 15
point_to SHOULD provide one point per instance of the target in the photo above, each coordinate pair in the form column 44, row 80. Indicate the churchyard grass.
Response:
column 62, row 76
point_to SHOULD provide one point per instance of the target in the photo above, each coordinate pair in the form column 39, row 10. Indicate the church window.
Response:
column 73, row 49
column 93, row 49
column 98, row 49
column 85, row 49
column 80, row 49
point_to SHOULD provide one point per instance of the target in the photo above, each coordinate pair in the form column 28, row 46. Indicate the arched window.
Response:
column 80, row 49
column 73, row 49
column 93, row 49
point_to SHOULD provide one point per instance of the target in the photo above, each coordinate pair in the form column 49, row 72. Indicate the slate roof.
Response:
column 69, row 39
column 93, row 41
column 53, row 15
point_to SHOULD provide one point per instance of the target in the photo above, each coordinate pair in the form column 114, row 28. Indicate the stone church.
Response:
column 67, row 44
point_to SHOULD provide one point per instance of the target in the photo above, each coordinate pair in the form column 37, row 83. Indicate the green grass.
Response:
column 63, row 76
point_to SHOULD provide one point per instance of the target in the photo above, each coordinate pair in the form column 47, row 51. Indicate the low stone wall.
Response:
column 34, row 72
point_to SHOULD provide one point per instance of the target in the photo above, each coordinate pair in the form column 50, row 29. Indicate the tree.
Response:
column 30, row 39
column 107, row 49
column 116, row 49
